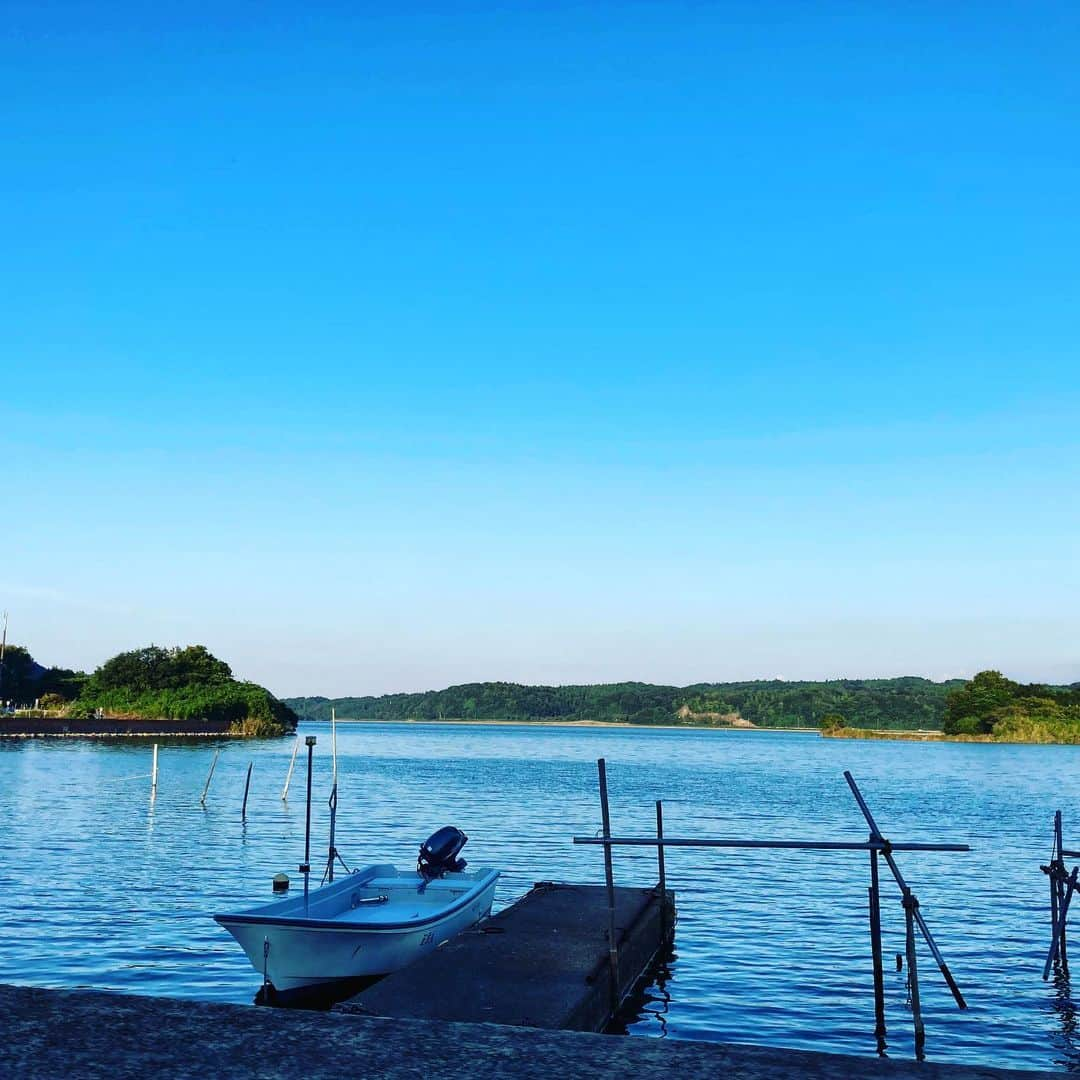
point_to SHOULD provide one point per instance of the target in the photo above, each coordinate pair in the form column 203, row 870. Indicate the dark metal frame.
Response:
column 877, row 846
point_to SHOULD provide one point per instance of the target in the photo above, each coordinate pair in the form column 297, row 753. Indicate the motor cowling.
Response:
column 439, row 853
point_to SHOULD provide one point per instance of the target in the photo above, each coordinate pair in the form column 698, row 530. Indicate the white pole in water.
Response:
column 210, row 776
column 333, row 741
column 333, row 796
column 288, row 777
column 153, row 777
column 3, row 649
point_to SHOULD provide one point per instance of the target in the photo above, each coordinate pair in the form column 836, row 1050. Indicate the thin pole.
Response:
column 209, row 777
column 3, row 650
column 305, row 866
column 609, row 878
column 153, row 776
column 288, row 776
column 333, row 743
column 809, row 845
column 1063, row 951
column 660, row 866
column 247, row 784
column 911, row 905
column 1054, row 871
column 875, row 950
column 333, row 798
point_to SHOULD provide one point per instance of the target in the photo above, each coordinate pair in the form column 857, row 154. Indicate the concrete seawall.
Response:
column 94, row 1035
column 33, row 728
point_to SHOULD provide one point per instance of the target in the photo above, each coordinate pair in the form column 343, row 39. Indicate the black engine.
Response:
column 439, row 853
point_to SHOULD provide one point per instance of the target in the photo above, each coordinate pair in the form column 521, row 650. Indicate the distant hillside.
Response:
column 908, row 702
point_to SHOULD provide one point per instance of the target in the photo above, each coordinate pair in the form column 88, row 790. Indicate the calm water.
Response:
column 103, row 890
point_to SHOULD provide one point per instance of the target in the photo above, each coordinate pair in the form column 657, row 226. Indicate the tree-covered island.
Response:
column 153, row 683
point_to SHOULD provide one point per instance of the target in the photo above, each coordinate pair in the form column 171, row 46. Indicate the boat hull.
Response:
column 293, row 952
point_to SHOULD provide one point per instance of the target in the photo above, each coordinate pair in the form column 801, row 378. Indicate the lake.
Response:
column 105, row 890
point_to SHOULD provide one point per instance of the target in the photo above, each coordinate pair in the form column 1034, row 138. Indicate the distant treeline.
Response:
column 908, row 702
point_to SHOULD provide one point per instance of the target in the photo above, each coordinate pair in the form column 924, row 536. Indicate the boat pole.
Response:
column 288, row 775
column 305, row 866
column 153, row 776
column 333, row 798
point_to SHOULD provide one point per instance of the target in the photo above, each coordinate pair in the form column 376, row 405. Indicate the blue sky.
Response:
column 381, row 348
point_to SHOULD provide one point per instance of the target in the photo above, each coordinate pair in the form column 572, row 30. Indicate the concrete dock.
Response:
column 50, row 1034
column 542, row 963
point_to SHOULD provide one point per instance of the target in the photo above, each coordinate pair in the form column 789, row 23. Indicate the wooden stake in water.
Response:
column 209, row 777
column 288, row 775
column 609, row 878
column 247, row 785
column 153, row 776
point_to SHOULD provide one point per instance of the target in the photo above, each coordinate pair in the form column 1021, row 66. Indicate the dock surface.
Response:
column 49, row 1034
column 542, row 963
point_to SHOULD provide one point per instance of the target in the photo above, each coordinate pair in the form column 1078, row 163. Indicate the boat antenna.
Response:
column 305, row 866
column 333, row 854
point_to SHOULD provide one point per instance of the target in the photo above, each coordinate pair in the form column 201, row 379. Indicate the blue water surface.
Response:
column 105, row 889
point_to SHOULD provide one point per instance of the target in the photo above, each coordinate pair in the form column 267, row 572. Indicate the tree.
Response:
column 968, row 709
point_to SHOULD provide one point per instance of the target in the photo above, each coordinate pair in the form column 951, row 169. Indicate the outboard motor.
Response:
column 438, row 853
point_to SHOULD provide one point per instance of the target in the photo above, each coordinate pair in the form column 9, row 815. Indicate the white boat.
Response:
column 366, row 924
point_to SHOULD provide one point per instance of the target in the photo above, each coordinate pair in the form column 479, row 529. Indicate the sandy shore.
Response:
column 569, row 724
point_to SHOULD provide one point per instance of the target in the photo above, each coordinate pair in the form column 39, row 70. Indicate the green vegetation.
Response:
column 832, row 722
column 865, row 703
column 22, row 678
column 993, row 706
column 153, row 683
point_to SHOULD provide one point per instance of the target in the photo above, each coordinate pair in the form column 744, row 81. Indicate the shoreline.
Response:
column 567, row 724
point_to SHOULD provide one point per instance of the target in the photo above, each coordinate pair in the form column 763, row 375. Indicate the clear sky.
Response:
column 382, row 348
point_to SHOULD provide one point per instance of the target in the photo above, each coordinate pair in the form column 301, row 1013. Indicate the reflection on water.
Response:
column 649, row 1001
column 1063, row 1008
column 102, row 889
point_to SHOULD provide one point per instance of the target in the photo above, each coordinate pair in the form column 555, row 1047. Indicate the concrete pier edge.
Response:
column 94, row 1034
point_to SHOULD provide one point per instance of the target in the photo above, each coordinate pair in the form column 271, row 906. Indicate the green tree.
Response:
column 969, row 709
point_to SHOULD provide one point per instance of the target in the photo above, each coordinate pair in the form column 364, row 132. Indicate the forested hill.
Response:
column 908, row 702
